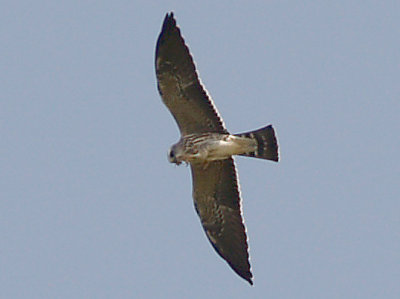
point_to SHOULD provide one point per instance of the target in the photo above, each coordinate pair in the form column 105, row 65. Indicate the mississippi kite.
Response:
column 208, row 147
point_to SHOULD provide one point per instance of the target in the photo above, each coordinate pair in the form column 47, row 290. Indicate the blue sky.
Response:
column 90, row 206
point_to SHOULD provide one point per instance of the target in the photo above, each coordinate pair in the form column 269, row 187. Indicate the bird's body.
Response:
column 208, row 147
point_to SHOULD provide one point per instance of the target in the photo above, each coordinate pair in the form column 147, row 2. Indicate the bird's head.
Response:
column 173, row 155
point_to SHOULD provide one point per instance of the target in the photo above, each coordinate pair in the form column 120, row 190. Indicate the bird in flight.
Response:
column 208, row 147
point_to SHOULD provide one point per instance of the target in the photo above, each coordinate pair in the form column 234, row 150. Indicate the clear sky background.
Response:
column 90, row 206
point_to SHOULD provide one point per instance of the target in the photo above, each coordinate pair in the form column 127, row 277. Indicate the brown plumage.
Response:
column 208, row 147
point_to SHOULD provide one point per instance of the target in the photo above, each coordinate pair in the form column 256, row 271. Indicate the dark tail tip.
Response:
column 267, row 144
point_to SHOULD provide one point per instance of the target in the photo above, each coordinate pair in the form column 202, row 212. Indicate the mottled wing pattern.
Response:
column 217, row 202
column 179, row 84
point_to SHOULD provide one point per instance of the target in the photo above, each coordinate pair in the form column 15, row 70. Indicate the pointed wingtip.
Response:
column 246, row 276
column 169, row 20
column 168, row 27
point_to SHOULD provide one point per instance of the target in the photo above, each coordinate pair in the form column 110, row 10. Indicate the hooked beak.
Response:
column 172, row 158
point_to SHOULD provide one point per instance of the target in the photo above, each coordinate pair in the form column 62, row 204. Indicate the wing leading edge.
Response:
column 179, row 84
column 217, row 201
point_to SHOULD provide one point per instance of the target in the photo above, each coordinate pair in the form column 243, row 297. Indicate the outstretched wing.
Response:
column 179, row 84
column 217, row 202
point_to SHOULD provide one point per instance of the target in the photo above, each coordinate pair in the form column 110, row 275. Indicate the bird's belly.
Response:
column 223, row 149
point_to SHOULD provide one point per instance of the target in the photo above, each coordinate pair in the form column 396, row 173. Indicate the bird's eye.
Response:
column 171, row 154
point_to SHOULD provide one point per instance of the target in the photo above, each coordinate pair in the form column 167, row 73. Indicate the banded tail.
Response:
column 267, row 145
